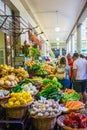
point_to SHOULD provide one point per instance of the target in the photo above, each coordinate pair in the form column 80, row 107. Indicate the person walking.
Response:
column 70, row 63
column 79, row 76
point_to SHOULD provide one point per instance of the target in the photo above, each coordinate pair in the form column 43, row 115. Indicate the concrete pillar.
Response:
column 67, row 48
column 79, row 38
column 43, row 48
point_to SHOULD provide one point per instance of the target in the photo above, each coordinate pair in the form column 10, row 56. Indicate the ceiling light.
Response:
column 57, row 43
column 57, row 29
column 57, row 39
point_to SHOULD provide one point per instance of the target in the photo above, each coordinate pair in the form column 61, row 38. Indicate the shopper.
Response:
column 70, row 63
column 79, row 76
column 63, row 73
column 85, row 60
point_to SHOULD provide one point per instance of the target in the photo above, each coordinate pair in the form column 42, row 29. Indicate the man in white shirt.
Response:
column 80, row 76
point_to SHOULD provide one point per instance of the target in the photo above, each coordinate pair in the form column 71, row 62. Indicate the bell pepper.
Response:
column 75, row 116
column 74, row 124
column 83, row 123
column 66, row 121
column 83, row 116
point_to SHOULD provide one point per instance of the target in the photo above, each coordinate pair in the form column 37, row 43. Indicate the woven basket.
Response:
column 45, row 123
column 61, row 124
column 5, row 97
column 15, row 111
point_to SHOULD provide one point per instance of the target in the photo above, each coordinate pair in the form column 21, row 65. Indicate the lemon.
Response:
column 10, row 103
column 17, row 103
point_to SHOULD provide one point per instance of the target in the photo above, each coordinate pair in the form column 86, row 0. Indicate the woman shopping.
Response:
column 63, row 73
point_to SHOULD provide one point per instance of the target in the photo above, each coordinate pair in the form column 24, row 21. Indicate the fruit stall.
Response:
column 34, row 99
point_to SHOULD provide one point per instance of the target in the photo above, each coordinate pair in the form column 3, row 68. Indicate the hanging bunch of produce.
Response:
column 34, row 52
column 35, row 40
column 26, row 48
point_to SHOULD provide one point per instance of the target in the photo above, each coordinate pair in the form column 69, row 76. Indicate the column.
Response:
column 79, row 38
column 72, row 44
column 67, row 48
column 43, row 48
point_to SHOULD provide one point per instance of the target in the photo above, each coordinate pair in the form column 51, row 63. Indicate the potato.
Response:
column 1, row 82
column 8, row 83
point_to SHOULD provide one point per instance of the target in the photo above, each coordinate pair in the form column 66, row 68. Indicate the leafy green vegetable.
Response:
column 70, row 97
column 50, row 92
column 54, row 82
column 27, row 80
column 17, row 89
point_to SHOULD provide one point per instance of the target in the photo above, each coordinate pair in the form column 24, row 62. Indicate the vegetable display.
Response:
column 5, row 70
column 49, row 92
column 34, row 67
column 44, row 108
column 74, row 105
column 18, row 99
column 41, row 71
column 4, row 93
column 54, row 81
column 49, row 68
column 17, row 89
column 11, row 80
column 68, row 91
column 70, row 97
column 8, row 81
column 76, row 120
column 29, row 88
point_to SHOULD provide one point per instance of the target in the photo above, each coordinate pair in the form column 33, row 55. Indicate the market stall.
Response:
column 36, row 96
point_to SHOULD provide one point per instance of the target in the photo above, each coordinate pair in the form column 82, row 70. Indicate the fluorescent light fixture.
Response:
column 57, row 39
column 57, row 29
